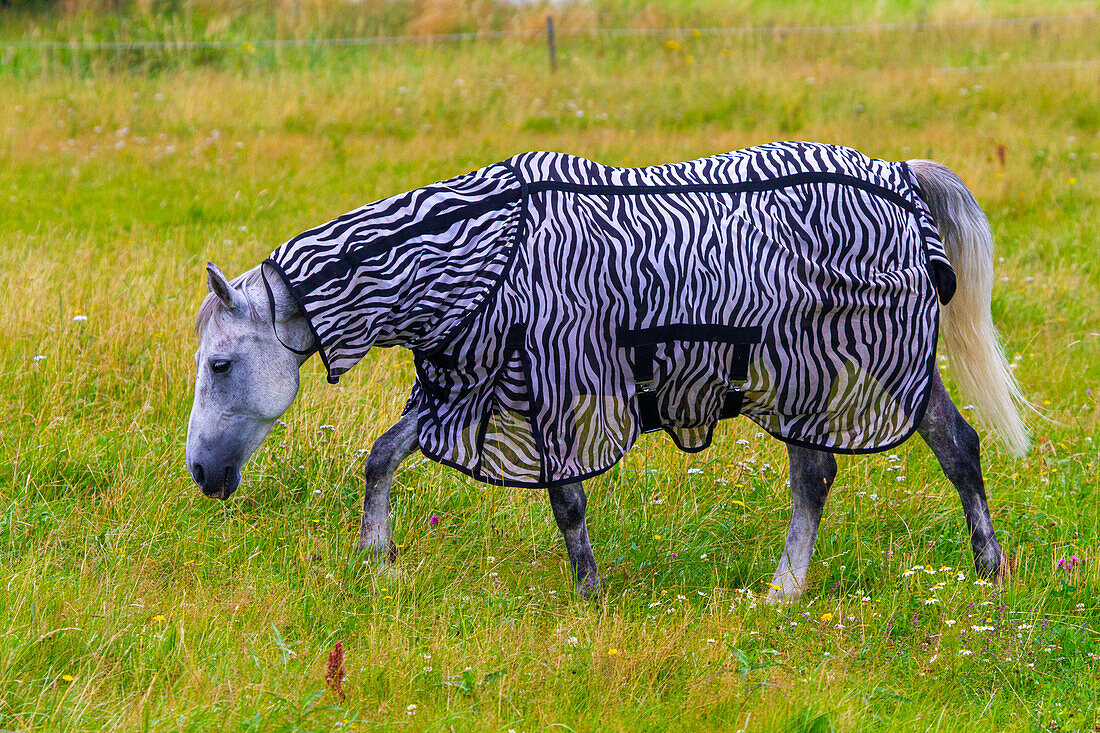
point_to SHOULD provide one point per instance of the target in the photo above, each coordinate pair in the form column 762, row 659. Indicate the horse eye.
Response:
column 220, row 366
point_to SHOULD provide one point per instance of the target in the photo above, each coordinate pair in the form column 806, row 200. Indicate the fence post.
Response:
column 550, row 43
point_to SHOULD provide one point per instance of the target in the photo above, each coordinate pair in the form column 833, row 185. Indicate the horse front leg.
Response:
column 569, row 503
column 392, row 447
column 812, row 474
column 958, row 450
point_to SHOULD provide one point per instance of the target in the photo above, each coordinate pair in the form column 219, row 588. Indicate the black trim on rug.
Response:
column 772, row 184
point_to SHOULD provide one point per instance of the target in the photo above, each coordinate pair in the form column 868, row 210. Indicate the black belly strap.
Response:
column 644, row 342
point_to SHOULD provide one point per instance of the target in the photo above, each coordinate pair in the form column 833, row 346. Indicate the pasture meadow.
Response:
column 132, row 602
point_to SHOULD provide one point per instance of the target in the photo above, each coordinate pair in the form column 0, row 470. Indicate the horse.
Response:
column 827, row 279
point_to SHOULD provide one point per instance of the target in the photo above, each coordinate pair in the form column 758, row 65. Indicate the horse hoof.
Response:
column 788, row 592
column 1004, row 572
column 388, row 571
column 779, row 597
column 381, row 547
column 591, row 590
column 996, row 568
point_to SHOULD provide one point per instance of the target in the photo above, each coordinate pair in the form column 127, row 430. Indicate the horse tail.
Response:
column 977, row 360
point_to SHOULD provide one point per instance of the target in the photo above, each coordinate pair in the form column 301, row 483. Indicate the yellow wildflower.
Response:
column 672, row 45
column 159, row 617
column 68, row 677
column 826, row 617
column 612, row 652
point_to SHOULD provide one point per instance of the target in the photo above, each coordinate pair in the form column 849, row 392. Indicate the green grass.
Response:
column 119, row 179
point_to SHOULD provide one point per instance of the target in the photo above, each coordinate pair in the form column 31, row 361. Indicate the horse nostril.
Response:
column 197, row 473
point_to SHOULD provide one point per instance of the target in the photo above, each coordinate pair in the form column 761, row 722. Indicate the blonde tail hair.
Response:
column 977, row 360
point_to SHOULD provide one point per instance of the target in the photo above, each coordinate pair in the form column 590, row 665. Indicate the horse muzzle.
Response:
column 217, row 482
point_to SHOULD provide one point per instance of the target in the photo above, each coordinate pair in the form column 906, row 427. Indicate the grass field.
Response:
column 132, row 602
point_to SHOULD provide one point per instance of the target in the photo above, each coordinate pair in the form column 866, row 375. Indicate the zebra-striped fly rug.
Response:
column 556, row 307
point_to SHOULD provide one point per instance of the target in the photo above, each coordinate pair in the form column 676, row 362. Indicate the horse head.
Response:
column 250, row 334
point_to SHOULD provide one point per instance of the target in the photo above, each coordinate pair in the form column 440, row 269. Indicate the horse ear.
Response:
column 231, row 298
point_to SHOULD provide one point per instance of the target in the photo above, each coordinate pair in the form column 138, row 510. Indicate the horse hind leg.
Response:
column 395, row 445
column 957, row 448
column 812, row 475
column 569, row 503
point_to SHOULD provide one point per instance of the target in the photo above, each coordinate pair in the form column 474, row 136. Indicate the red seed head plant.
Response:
column 335, row 671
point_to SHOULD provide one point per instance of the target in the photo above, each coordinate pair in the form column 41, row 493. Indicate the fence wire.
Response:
column 531, row 34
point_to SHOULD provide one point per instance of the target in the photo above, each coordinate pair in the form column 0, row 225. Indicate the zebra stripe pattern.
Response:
column 527, row 374
column 403, row 271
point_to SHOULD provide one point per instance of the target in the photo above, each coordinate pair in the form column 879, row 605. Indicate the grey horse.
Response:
column 254, row 338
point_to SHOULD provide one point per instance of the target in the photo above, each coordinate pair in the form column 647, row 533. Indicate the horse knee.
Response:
column 376, row 468
column 375, row 475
